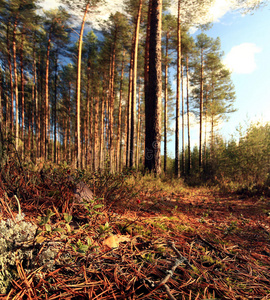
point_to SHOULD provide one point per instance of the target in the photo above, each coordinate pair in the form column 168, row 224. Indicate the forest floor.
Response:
column 138, row 239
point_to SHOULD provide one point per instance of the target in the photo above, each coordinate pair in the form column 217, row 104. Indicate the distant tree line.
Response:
column 105, row 99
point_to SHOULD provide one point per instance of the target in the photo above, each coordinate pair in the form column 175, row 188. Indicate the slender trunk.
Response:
column 69, row 142
column 78, row 90
column 166, row 102
column 201, row 111
column 95, row 140
column 102, row 129
column 153, row 103
column 128, row 113
column 7, row 115
column 55, row 113
column 16, row 87
column 87, row 140
column 22, row 88
column 111, row 104
column 188, row 117
column 118, row 146
column 46, row 112
column 138, row 131
column 40, row 145
column 177, row 161
column 146, row 62
column 11, row 82
column 90, row 130
column 31, row 123
column 134, row 87
column 205, row 127
column 1, row 91
column 183, row 122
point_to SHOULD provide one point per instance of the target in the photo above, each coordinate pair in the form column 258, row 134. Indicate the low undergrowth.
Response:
column 139, row 238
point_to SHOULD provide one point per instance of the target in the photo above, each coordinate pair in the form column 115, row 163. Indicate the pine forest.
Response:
column 103, row 192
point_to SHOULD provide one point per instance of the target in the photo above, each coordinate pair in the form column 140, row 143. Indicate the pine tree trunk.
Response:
column 69, row 142
column 22, row 91
column 177, row 161
column 46, row 112
column 78, row 91
column 40, row 145
column 1, row 91
column 183, row 122
column 134, row 87
column 119, row 125
column 153, row 103
column 55, row 113
column 188, row 117
column 138, row 131
column 87, row 122
column 111, row 104
column 95, row 142
column 128, row 111
column 201, row 112
column 101, row 132
column 11, row 113
column 146, row 54
column 166, row 102
column 16, row 87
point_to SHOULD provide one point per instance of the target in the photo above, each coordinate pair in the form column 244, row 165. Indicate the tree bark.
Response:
column 166, row 102
column 11, row 82
column 46, row 113
column 22, row 89
column 183, row 122
column 153, row 103
column 78, row 91
column 201, row 111
column 118, row 140
column 188, row 117
column 134, row 87
column 178, row 93
column 128, row 111
column 16, row 87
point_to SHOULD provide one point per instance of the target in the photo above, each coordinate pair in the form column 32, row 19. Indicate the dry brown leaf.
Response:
column 114, row 240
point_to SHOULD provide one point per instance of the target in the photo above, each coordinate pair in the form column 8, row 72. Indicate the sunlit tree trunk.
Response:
column 16, row 87
column 22, row 90
column 119, row 123
column 138, row 130
column 87, row 123
column 178, row 93
column 111, row 103
column 55, row 112
column 188, row 116
column 166, row 101
column 102, row 125
column 95, row 140
column 134, row 87
column 78, row 91
column 11, row 113
column 128, row 111
column 45, row 146
column 201, row 110
column 183, row 122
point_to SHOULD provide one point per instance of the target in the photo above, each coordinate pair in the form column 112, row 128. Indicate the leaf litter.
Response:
column 193, row 244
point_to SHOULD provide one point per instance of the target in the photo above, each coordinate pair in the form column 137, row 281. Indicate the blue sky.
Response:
column 245, row 41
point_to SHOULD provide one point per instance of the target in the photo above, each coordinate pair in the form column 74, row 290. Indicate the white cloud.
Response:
column 96, row 17
column 218, row 10
column 50, row 4
column 241, row 58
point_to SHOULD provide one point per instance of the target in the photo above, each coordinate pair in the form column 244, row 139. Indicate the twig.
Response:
column 179, row 255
